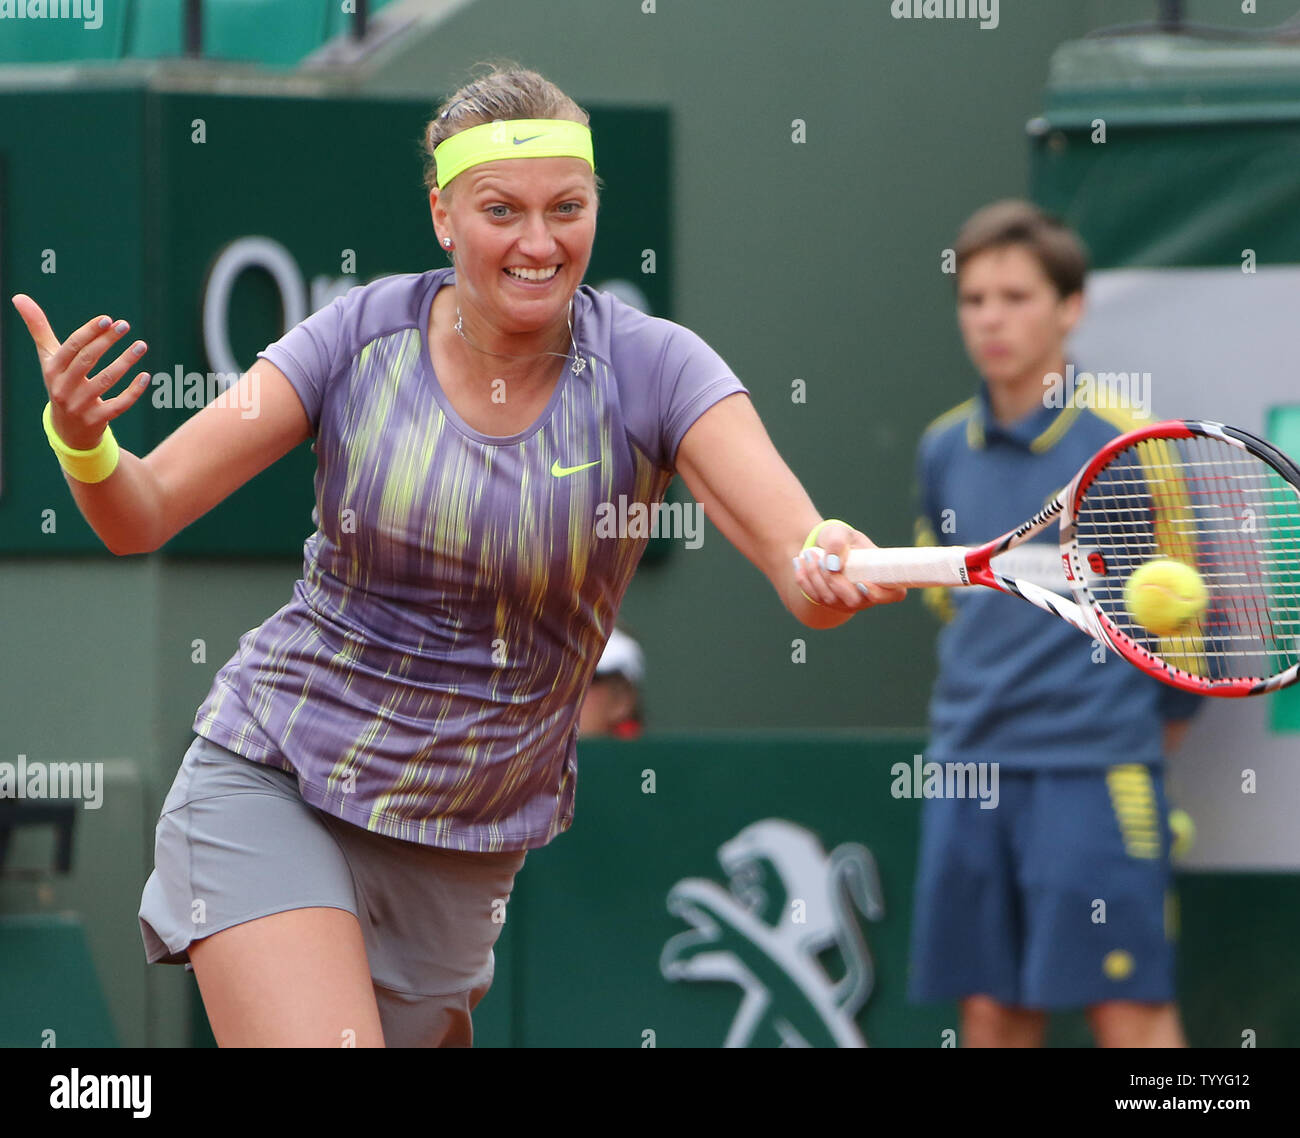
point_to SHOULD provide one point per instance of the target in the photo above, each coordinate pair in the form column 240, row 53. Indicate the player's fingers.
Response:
column 863, row 595
column 882, row 594
column 819, row 571
column 99, row 384
column 47, row 343
column 811, row 577
column 126, row 398
column 822, row 567
column 835, row 540
column 851, row 596
column 71, row 364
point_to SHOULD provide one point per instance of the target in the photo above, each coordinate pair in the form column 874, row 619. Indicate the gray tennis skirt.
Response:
column 235, row 842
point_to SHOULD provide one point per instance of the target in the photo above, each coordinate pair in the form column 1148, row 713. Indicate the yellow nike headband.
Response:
column 512, row 138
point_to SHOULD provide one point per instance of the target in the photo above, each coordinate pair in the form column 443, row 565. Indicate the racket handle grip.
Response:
column 913, row 568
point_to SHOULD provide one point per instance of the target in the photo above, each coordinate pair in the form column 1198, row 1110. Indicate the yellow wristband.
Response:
column 93, row 465
column 812, row 540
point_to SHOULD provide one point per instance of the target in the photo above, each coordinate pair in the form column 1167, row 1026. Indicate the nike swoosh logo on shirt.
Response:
column 521, row 141
column 559, row 471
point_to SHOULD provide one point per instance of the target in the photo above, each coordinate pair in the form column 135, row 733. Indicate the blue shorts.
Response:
column 1059, row 897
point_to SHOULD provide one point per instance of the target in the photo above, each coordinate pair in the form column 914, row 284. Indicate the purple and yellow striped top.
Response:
column 425, row 679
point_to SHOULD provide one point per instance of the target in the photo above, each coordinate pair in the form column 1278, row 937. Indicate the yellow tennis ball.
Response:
column 1165, row 596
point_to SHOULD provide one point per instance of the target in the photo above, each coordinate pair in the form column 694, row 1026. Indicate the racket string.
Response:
column 1220, row 509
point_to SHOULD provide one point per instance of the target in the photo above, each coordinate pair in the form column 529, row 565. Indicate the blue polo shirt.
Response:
column 1017, row 685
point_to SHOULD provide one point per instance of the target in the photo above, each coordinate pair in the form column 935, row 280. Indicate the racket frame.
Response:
column 1077, row 576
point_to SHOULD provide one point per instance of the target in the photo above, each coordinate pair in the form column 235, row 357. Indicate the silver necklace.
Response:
column 578, row 362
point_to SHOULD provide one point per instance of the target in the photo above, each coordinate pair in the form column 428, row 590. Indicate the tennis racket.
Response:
column 1211, row 496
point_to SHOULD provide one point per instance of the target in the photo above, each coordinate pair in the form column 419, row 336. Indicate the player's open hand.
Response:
column 819, row 572
column 77, row 412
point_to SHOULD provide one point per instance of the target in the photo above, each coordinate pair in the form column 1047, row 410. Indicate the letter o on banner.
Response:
column 247, row 253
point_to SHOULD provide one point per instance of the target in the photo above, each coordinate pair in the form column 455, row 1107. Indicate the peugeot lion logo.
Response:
column 739, row 936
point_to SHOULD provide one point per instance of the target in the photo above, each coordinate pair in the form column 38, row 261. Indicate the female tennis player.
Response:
column 336, row 853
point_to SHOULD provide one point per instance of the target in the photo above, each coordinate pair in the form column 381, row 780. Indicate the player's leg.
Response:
column 1126, row 1023
column 292, row 979
column 987, row 1023
column 254, row 892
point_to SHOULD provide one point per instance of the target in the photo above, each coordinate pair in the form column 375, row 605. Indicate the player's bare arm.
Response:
column 731, row 467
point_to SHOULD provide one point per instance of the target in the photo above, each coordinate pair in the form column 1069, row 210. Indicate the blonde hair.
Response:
column 507, row 91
